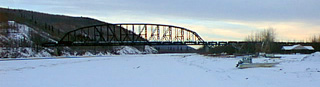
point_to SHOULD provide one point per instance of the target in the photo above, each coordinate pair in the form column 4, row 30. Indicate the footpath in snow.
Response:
column 159, row 70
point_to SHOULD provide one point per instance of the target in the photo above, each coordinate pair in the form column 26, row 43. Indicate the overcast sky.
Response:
column 211, row 19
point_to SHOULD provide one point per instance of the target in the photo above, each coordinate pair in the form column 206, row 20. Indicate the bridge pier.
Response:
column 56, row 51
column 206, row 49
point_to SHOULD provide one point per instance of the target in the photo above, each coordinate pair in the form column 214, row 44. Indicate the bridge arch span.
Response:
column 130, row 33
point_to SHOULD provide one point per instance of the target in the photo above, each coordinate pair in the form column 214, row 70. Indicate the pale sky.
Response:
column 213, row 20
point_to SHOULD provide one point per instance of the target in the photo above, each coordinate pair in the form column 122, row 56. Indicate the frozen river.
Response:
column 158, row 70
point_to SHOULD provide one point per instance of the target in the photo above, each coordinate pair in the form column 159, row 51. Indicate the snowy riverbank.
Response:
column 159, row 70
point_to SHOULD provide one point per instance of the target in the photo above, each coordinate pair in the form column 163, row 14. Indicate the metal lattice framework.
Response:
column 141, row 34
column 130, row 34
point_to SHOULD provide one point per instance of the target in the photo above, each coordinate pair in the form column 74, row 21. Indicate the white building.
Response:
column 298, row 49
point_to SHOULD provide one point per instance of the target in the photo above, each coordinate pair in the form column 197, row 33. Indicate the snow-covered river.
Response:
column 159, row 70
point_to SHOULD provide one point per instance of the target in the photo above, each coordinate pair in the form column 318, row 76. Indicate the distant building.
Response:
column 298, row 49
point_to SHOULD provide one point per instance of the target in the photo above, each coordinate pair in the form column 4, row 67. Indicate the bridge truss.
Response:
column 129, row 34
column 140, row 34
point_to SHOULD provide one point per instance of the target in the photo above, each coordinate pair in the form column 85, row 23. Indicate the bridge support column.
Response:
column 56, row 51
column 206, row 48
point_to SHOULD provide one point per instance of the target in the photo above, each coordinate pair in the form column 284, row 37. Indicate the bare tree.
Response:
column 266, row 37
column 315, row 38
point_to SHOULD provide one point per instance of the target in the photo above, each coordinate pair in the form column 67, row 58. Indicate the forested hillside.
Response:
column 23, row 32
column 55, row 25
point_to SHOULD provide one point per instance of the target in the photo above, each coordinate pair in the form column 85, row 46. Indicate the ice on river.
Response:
column 159, row 70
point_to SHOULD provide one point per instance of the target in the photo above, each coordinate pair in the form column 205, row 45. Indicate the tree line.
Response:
column 264, row 41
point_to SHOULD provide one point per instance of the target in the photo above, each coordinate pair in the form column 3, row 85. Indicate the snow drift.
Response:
column 150, row 50
column 123, row 50
column 312, row 57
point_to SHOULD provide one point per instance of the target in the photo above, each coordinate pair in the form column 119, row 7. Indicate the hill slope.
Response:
column 55, row 25
column 36, row 28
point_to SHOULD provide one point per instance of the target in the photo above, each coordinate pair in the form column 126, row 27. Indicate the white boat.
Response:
column 253, row 65
column 246, row 62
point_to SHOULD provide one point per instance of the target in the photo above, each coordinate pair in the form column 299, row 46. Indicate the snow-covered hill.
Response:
column 16, row 41
column 158, row 70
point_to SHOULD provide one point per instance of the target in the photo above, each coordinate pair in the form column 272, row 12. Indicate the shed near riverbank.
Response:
column 298, row 49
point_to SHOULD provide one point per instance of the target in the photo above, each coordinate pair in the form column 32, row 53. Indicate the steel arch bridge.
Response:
column 140, row 34
column 129, row 34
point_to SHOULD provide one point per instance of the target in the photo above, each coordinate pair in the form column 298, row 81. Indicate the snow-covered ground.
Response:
column 16, row 37
column 159, row 70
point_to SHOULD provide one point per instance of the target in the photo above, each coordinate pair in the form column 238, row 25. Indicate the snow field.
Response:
column 159, row 70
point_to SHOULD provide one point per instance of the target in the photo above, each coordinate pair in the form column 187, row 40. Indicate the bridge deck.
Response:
column 117, row 43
